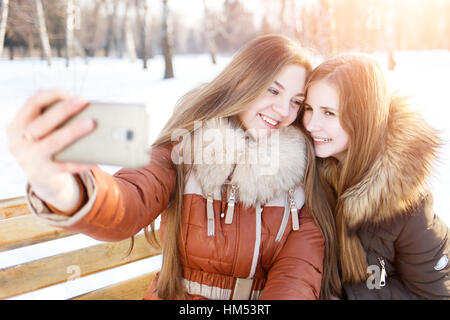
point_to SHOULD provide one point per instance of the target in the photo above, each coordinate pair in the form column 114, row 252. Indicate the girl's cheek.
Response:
column 306, row 118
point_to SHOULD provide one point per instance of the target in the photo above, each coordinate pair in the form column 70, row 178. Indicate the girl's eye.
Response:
column 297, row 102
column 273, row 91
column 329, row 113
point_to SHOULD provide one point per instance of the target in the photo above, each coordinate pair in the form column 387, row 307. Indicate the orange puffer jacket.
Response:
column 242, row 235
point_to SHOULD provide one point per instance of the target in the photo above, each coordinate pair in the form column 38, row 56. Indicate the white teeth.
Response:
column 268, row 120
column 322, row 140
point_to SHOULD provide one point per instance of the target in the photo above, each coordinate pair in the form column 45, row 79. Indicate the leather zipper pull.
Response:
column 294, row 211
column 210, row 214
column 230, row 205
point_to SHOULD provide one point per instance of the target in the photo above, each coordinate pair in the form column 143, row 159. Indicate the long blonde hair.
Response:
column 244, row 79
column 364, row 104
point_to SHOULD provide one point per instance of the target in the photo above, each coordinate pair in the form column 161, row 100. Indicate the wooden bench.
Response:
column 19, row 229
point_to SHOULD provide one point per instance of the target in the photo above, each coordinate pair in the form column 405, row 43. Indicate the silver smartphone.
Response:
column 120, row 137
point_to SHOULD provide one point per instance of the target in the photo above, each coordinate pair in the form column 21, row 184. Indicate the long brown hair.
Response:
column 244, row 79
column 319, row 201
column 364, row 102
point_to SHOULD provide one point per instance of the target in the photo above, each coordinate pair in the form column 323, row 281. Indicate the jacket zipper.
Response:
column 230, row 205
column 283, row 224
column 256, row 248
column 383, row 272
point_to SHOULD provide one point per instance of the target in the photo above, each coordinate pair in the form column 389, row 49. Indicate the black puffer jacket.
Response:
column 414, row 249
column 391, row 212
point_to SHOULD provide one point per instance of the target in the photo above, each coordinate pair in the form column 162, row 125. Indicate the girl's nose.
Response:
column 282, row 108
column 311, row 122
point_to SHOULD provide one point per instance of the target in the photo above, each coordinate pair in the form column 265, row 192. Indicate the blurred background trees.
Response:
column 144, row 28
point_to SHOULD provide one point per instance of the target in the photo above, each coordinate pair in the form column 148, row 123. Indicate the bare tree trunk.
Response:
column 121, row 42
column 92, row 27
column 110, row 34
column 167, row 42
column 296, row 24
column 70, row 22
column 79, row 49
column 331, row 27
column 144, row 49
column 43, row 32
column 11, row 52
column 5, row 5
column 137, row 8
column 73, row 45
column 145, row 32
column 30, row 44
column 209, row 34
column 128, row 37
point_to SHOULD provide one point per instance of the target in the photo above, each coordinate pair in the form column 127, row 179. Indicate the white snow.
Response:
column 425, row 75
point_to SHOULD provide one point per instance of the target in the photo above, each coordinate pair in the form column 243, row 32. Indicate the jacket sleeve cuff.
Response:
column 56, row 218
column 81, row 201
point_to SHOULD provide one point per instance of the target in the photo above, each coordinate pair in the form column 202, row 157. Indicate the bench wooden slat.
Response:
column 133, row 289
column 52, row 270
column 26, row 230
column 13, row 207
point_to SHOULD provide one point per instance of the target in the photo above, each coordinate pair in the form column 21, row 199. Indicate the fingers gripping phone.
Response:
column 120, row 137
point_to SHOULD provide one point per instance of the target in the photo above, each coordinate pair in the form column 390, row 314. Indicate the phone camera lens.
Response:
column 130, row 135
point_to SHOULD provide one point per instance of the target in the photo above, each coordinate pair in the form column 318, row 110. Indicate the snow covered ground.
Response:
column 425, row 75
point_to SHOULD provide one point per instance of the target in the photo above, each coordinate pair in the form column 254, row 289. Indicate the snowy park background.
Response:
column 423, row 75
column 115, row 37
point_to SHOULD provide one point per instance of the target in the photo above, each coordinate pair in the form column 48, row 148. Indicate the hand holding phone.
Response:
column 37, row 136
column 34, row 138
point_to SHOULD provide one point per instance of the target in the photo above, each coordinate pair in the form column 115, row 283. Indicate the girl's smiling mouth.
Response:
column 271, row 123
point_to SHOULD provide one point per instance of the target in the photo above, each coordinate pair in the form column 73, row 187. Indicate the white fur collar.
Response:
column 263, row 169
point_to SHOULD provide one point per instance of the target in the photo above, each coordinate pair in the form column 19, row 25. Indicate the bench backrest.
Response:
column 19, row 228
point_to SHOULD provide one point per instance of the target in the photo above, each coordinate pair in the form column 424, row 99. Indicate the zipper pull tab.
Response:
column 210, row 214
column 231, row 202
column 383, row 272
column 294, row 211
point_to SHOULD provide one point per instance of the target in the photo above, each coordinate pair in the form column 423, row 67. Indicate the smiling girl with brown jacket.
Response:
column 233, row 225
